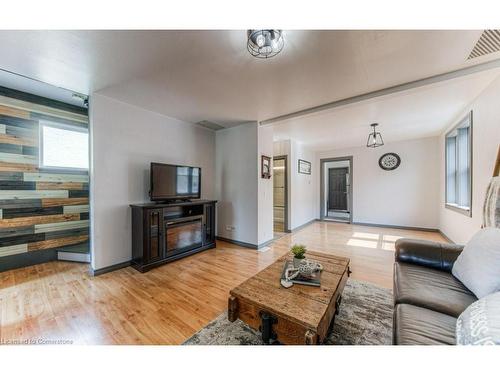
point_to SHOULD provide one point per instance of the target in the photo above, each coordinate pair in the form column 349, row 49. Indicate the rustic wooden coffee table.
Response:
column 298, row 315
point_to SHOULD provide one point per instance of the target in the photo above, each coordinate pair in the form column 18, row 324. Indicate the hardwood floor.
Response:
column 60, row 301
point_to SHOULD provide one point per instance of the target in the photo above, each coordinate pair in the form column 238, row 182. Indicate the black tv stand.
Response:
column 173, row 201
column 163, row 232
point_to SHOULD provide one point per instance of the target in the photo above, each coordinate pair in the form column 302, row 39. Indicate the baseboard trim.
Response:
column 296, row 229
column 112, row 268
column 267, row 243
column 445, row 236
column 264, row 244
column 397, row 227
column 239, row 243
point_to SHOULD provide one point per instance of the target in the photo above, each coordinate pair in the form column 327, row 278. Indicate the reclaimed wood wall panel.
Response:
column 9, row 111
column 48, row 202
column 60, row 185
column 12, row 213
column 12, row 250
column 36, row 220
column 11, row 176
column 58, row 242
column 33, row 194
column 16, row 167
column 13, row 140
column 66, row 225
column 54, row 177
column 76, row 209
column 40, row 209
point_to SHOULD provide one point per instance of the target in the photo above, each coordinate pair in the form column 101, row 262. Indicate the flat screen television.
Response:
column 170, row 182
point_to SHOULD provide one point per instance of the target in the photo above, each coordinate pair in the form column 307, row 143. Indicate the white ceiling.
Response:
column 417, row 113
column 209, row 75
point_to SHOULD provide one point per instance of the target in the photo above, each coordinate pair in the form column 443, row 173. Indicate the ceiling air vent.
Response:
column 210, row 125
column 489, row 42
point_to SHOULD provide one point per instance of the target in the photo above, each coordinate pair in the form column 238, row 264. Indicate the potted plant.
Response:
column 298, row 252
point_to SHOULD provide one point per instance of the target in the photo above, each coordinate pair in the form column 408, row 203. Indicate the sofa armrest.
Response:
column 427, row 253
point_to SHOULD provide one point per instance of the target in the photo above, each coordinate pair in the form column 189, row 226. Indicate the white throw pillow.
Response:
column 478, row 266
column 479, row 324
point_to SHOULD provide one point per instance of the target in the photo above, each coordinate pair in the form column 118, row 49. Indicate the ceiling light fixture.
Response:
column 264, row 44
column 374, row 138
column 81, row 98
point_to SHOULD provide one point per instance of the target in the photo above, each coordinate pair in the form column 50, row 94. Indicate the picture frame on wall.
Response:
column 304, row 166
column 265, row 166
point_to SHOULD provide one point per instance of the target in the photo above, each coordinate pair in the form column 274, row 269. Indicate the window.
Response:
column 458, row 149
column 63, row 146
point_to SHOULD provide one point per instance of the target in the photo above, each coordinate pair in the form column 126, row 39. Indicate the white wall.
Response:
column 301, row 187
column 125, row 140
column 236, row 183
column 486, row 139
column 265, row 187
column 407, row 196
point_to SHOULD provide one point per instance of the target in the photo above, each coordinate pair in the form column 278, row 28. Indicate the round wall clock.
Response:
column 389, row 161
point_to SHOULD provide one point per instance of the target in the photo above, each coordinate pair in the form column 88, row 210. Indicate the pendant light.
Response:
column 374, row 138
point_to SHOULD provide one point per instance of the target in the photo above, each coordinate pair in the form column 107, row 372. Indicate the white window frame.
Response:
column 453, row 205
column 57, row 125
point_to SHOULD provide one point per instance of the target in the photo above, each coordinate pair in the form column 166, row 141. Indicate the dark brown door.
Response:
column 337, row 188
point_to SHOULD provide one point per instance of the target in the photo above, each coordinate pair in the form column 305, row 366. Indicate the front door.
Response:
column 337, row 188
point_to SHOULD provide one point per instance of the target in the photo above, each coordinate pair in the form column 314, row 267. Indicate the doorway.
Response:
column 336, row 189
column 280, row 195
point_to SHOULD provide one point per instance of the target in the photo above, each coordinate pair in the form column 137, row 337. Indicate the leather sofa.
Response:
column 427, row 298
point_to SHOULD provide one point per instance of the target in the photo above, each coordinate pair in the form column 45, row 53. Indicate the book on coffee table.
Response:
column 313, row 280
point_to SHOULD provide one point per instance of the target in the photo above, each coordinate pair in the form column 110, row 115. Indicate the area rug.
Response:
column 365, row 318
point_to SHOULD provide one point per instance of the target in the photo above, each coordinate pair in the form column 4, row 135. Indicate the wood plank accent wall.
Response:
column 39, row 209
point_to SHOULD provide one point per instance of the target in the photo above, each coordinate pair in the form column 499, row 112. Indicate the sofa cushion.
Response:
column 479, row 263
column 415, row 325
column 479, row 324
column 430, row 288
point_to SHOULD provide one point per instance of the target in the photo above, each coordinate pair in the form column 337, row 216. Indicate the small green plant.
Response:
column 298, row 251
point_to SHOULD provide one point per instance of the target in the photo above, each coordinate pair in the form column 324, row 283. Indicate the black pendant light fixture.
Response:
column 374, row 138
column 264, row 44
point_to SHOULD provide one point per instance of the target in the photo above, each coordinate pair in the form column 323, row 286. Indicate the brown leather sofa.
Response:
column 427, row 298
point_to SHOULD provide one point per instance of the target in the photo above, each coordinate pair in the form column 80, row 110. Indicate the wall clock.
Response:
column 389, row 161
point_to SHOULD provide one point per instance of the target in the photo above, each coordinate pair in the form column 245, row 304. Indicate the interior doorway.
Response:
column 280, row 195
column 336, row 189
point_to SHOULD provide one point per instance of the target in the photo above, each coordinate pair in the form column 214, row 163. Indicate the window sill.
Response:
column 462, row 210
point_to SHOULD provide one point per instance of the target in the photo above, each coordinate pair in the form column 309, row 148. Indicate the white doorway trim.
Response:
column 322, row 186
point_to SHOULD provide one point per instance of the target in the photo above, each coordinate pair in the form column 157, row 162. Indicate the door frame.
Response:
column 322, row 185
column 285, row 158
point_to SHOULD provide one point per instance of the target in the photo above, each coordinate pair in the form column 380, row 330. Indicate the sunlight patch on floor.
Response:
column 373, row 241
column 371, row 236
column 362, row 243
column 389, row 238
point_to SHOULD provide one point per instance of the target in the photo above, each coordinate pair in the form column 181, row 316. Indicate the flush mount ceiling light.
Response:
column 264, row 44
column 374, row 138
column 81, row 98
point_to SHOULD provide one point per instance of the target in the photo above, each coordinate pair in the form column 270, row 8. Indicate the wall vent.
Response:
column 210, row 125
column 489, row 42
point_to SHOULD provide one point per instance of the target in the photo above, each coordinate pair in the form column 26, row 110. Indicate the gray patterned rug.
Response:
column 365, row 318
